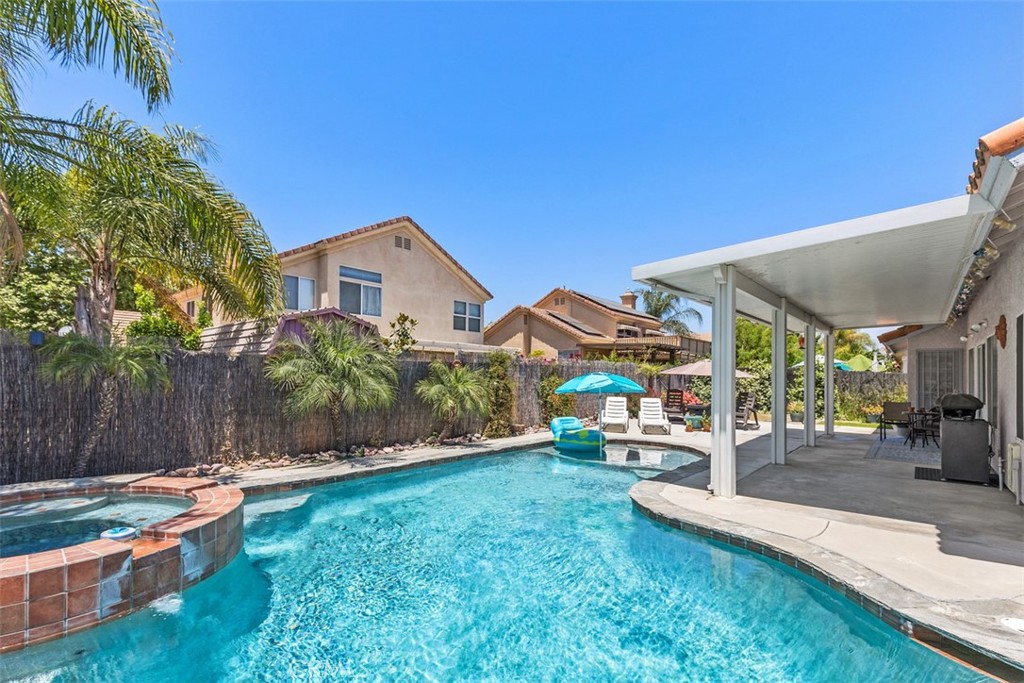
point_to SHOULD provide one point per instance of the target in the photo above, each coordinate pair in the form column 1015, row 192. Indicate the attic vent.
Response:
column 407, row 244
column 398, row 241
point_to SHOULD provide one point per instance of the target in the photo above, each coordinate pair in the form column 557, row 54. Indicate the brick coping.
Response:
column 769, row 545
column 57, row 592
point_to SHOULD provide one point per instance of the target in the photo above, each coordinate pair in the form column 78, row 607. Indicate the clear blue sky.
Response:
column 562, row 144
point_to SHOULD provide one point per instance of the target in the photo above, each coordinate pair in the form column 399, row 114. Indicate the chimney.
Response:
column 628, row 299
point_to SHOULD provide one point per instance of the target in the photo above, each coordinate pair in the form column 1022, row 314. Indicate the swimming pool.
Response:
column 513, row 567
column 59, row 522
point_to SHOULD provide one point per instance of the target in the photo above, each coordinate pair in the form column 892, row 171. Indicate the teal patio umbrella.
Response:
column 600, row 383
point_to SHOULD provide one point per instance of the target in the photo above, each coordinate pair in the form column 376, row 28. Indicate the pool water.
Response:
column 26, row 531
column 522, row 567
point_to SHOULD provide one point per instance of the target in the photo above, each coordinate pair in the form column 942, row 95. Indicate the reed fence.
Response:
column 220, row 408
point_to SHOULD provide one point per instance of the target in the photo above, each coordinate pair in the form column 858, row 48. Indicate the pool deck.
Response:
column 928, row 557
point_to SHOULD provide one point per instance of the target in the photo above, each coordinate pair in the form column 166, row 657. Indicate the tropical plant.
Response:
column 401, row 340
column 650, row 372
column 151, row 210
column 136, row 365
column 453, row 392
column 673, row 311
column 500, row 396
column 128, row 33
column 331, row 368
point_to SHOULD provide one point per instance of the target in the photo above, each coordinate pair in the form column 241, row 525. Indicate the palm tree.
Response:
column 148, row 207
column 672, row 310
column 332, row 368
column 453, row 392
column 75, row 358
column 129, row 33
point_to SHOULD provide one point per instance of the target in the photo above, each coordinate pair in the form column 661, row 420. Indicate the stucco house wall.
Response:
column 531, row 334
column 1001, row 295
column 414, row 281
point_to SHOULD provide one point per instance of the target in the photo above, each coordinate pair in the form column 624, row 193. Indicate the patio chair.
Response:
column 652, row 416
column 894, row 414
column 745, row 411
column 615, row 413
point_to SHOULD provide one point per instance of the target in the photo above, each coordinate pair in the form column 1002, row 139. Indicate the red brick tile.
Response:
column 47, row 610
column 144, row 580
column 115, row 589
column 143, row 599
column 83, row 621
column 46, row 582
column 115, row 609
column 12, row 641
column 13, row 618
column 50, row 558
column 82, row 574
column 41, row 634
column 115, row 563
column 83, row 601
column 13, row 589
column 169, row 573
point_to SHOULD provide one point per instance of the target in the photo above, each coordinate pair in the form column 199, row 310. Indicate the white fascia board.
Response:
column 945, row 209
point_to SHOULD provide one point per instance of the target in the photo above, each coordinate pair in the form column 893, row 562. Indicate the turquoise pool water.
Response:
column 511, row 568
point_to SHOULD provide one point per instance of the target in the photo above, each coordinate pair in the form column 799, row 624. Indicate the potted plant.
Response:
column 705, row 423
column 872, row 413
column 796, row 411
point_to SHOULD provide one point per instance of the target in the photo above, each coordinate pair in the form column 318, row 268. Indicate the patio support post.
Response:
column 830, row 384
column 723, row 383
column 779, row 323
column 810, row 331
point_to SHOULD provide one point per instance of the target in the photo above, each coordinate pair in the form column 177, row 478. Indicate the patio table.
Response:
column 921, row 423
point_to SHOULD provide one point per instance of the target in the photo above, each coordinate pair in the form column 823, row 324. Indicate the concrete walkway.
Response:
column 948, row 556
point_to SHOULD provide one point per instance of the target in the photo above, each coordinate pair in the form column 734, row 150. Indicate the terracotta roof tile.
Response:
column 999, row 142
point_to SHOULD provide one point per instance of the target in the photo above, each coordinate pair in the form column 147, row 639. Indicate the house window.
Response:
column 357, row 296
column 467, row 316
column 938, row 373
column 190, row 309
column 299, row 293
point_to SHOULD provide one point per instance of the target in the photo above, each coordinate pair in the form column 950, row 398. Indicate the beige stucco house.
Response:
column 375, row 273
column 566, row 323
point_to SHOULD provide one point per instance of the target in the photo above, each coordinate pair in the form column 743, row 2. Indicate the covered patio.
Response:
column 898, row 267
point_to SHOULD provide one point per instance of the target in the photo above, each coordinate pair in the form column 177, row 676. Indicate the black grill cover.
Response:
column 960, row 405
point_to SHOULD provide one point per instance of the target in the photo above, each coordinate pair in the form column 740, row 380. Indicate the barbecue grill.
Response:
column 963, row 439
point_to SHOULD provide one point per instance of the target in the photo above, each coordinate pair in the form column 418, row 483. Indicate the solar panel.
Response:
column 581, row 326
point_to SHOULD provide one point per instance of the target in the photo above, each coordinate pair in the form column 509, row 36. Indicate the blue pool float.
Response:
column 570, row 434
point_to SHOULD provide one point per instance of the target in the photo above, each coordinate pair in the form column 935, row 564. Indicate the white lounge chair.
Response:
column 615, row 413
column 652, row 416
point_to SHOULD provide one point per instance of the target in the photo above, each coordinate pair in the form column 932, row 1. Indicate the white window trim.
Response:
column 312, row 304
column 467, row 317
column 362, row 284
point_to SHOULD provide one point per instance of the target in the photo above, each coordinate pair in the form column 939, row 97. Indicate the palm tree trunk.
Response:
column 106, row 409
column 336, row 425
column 12, row 249
column 95, row 301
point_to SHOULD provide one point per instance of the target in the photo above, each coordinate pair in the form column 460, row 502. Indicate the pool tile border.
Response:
column 58, row 592
column 929, row 636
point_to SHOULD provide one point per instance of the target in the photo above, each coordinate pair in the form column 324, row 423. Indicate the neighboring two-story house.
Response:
column 375, row 273
column 565, row 323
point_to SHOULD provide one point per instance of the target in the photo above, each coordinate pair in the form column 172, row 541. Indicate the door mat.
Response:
column 928, row 473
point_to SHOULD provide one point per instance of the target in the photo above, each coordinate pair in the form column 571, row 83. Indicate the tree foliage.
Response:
column 128, row 34
column 331, row 368
column 453, row 392
column 157, row 321
column 674, row 312
column 41, row 294
column 137, row 365
column 554, row 405
column 501, row 400
column 401, row 340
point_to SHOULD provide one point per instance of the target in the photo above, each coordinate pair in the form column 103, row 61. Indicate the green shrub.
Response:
column 500, row 396
column 554, row 405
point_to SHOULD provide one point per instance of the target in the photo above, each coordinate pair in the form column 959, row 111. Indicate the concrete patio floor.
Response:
column 949, row 556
